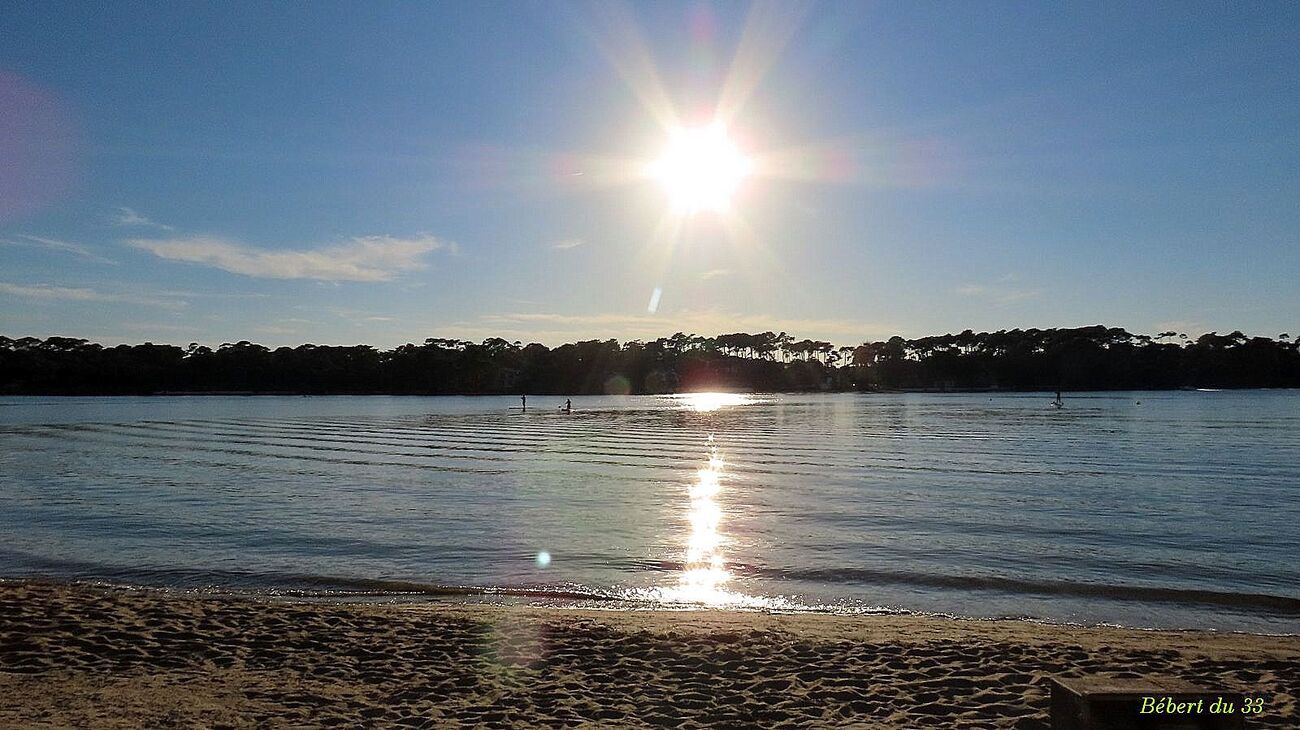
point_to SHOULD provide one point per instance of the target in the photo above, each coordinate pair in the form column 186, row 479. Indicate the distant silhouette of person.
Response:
column 568, row 405
column 523, row 403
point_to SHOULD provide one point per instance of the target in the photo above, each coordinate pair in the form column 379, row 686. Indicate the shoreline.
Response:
column 77, row 655
column 398, row 594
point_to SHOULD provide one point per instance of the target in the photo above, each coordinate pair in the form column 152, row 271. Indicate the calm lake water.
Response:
column 1142, row 509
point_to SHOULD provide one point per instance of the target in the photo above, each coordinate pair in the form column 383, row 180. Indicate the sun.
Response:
column 701, row 169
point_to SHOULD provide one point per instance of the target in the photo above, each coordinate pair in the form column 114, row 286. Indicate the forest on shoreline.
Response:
column 1081, row 358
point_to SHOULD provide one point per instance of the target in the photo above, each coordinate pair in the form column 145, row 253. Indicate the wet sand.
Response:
column 77, row 656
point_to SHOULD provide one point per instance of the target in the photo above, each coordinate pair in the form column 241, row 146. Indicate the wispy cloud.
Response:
column 557, row 328
column 271, row 329
column 567, row 244
column 47, row 292
column 365, row 258
column 54, row 244
column 1001, row 293
column 128, row 217
column 157, row 327
column 193, row 294
column 714, row 274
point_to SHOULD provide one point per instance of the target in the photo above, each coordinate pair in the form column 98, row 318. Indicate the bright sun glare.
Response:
column 705, row 402
column 701, row 169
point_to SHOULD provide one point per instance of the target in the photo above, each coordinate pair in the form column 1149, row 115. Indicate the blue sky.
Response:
column 383, row 173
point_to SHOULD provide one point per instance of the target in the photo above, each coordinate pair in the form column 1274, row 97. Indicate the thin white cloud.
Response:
column 158, row 327
column 365, row 258
column 191, row 294
column 567, row 244
column 47, row 292
column 275, row 330
column 998, row 294
column 347, row 313
column 128, row 217
column 714, row 274
column 54, row 244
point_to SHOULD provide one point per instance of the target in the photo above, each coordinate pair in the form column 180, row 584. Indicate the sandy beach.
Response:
column 78, row 656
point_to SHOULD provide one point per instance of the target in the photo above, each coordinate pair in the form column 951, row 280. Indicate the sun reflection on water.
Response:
column 704, row 574
column 705, row 570
column 704, row 402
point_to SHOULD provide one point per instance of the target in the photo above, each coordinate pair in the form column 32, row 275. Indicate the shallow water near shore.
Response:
column 1173, row 509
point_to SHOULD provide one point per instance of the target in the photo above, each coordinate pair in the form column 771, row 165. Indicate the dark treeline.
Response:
column 1084, row 358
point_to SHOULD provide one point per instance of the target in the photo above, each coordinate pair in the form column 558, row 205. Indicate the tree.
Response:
column 1083, row 357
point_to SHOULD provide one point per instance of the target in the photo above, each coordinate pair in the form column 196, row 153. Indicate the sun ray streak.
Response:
column 769, row 27
column 621, row 43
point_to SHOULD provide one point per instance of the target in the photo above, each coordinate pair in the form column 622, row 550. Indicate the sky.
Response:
column 383, row 173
